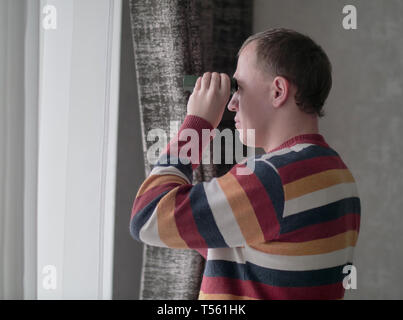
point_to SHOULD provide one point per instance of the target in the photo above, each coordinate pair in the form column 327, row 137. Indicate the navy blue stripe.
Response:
column 331, row 211
column 168, row 161
column 204, row 218
column 273, row 277
column 307, row 153
column 272, row 184
column 140, row 219
column 223, row 268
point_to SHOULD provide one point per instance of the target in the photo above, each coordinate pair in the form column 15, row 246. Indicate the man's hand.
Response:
column 209, row 97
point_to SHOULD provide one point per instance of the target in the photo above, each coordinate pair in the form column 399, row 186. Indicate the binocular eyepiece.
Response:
column 189, row 82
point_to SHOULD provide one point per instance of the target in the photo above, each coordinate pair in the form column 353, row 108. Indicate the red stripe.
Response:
column 345, row 223
column 143, row 200
column 312, row 138
column 303, row 168
column 184, row 219
column 202, row 251
column 261, row 203
column 222, row 285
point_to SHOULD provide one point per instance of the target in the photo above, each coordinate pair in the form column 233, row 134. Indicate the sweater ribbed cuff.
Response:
column 202, row 128
column 196, row 122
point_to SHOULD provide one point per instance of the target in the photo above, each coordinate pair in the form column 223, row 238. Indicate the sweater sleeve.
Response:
column 244, row 206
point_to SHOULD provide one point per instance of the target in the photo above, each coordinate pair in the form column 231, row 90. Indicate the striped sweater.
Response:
column 284, row 231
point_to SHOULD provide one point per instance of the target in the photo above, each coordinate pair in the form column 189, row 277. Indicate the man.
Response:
column 287, row 229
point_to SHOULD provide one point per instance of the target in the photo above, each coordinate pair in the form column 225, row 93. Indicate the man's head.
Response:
column 281, row 73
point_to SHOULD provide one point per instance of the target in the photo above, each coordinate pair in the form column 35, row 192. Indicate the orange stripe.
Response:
column 319, row 246
column 167, row 229
column 221, row 296
column 316, row 182
column 242, row 209
column 157, row 180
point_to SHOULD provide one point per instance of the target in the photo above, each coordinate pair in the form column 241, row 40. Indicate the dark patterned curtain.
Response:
column 172, row 38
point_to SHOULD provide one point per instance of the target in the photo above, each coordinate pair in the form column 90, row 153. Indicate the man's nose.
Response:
column 233, row 104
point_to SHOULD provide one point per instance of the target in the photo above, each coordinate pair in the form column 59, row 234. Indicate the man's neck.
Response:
column 284, row 133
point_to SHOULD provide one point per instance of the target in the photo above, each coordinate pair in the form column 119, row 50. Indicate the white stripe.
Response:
column 300, row 263
column 320, row 198
column 149, row 232
column 296, row 148
column 300, row 146
column 228, row 254
column 266, row 157
column 282, row 262
column 223, row 215
column 169, row 170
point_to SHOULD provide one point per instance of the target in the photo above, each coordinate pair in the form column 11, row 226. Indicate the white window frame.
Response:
column 77, row 124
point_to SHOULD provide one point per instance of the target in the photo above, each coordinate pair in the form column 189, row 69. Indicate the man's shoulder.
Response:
column 299, row 160
column 301, row 154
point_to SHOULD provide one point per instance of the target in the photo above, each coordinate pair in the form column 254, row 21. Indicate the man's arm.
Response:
column 229, row 211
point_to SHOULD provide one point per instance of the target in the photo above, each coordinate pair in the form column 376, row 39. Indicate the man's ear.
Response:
column 280, row 90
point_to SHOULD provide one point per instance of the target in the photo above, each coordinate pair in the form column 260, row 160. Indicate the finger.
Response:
column 205, row 83
column 215, row 81
column 198, row 83
column 225, row 82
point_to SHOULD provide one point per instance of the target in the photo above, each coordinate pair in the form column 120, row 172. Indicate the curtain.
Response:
column 172, row 38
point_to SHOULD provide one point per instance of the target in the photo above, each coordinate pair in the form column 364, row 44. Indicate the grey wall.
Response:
column 32, row 44
column 363, row 122
column 12, row 116
column 128, row 253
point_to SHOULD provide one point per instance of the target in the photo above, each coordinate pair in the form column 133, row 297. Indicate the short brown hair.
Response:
column 296, row 57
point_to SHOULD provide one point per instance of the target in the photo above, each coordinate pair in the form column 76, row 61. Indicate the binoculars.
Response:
column 189, row 82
